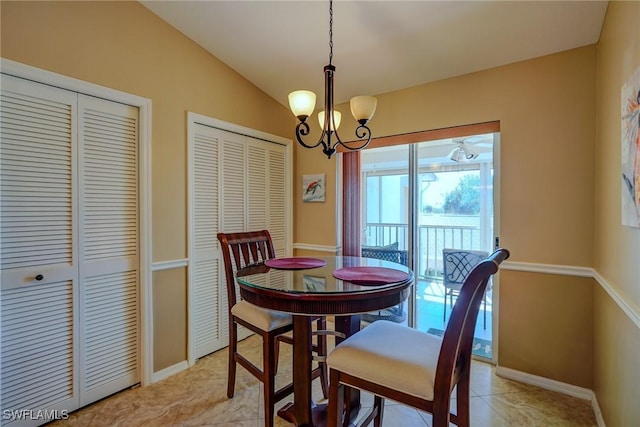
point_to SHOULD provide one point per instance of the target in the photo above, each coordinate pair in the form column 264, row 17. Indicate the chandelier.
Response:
column 302, row 103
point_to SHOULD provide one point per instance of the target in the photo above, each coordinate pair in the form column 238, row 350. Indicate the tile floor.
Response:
column 197, row 397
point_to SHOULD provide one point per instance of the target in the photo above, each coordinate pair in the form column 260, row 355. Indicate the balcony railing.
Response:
column 431, row 240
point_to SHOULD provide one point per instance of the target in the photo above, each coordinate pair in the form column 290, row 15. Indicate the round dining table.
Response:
column 339, row 286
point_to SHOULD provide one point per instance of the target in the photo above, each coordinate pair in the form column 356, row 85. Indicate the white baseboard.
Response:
column 168, row 371
column 597, row 412
column 553, row 385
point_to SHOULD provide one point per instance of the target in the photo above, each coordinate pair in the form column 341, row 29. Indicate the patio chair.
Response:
column 388, row 253
column 412, row 367
column 245, row 253
column 457, row 265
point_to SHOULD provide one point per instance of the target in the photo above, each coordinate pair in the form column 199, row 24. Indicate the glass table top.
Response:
column 367, row 275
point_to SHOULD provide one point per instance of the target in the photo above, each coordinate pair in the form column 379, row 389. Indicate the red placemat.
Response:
column 295, row 263
column 370, row 275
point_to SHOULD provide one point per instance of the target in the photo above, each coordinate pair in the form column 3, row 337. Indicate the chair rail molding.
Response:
column 564, row 270
column 576, row 271
column 170, row 264
column 633, row 314
column 320, row 248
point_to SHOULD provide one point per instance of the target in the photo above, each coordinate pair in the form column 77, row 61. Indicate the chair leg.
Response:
column 322, row 351
column 444, row 313
column 462, row 401
column 268, row 380
column 484, row 311
column 440, row 415
column 233, row 349
column 379, row 403
column 276, row 357
column 336, row 401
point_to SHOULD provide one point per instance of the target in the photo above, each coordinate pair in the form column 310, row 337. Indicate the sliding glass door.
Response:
column 422, row 199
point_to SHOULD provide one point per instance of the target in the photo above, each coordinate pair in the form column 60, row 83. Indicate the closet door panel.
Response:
column 37, row 349
column 257, row 185
column 265, row 194
column 234, row 175
column 109, row 247
column 233, row 198
column 205, row 267
column 276, row 207
column 37, row 182
column 38, row 259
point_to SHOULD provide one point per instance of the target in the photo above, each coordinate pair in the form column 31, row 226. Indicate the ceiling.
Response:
column 379, row 46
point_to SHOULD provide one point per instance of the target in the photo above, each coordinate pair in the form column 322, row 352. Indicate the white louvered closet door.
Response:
column 69, row 230
column 205, row 264
column 238, row 184
column 108, row 206
column 39, row 256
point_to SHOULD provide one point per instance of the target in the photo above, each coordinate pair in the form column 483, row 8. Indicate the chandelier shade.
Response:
column 302, row 104
column 333, row 124
column 363, row 108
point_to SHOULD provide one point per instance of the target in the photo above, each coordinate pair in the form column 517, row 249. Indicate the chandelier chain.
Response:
column 331, row 32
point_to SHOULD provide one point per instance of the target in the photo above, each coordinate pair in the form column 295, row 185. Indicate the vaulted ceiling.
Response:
column 379, row 46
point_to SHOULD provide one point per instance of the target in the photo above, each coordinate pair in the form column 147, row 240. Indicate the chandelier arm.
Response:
column 302, row 129
column 362, row 132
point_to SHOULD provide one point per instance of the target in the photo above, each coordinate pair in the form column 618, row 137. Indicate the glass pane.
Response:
column 454, row 209
column 373, row 199
column 385, row 205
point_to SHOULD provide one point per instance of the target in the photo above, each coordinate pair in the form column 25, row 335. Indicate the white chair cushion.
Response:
column 391, row 355
column 264, row 319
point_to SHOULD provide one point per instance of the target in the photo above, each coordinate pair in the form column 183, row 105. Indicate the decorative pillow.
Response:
column 391, row 247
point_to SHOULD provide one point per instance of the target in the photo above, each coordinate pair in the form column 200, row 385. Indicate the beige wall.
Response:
column 546, row 109
column 547, row 314
column 170, row 331
column 547, row 117
column 122, row 45
column 617, row 248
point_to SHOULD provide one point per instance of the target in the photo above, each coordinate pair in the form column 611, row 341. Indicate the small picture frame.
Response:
column 313, row 188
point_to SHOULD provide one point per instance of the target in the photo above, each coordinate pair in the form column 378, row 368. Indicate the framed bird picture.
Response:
column 313, row 188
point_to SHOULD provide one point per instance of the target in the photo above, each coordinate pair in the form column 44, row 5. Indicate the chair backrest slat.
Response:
column 457, row 343
column 242, row 252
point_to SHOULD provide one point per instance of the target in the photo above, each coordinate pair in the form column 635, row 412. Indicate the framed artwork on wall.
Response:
column 313, row 188
column 630, row 112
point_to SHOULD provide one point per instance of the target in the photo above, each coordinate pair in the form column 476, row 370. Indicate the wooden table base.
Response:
column 304, row 411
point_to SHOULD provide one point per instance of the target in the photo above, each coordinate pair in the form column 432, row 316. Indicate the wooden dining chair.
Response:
column 412, row 367
column 245, row 253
